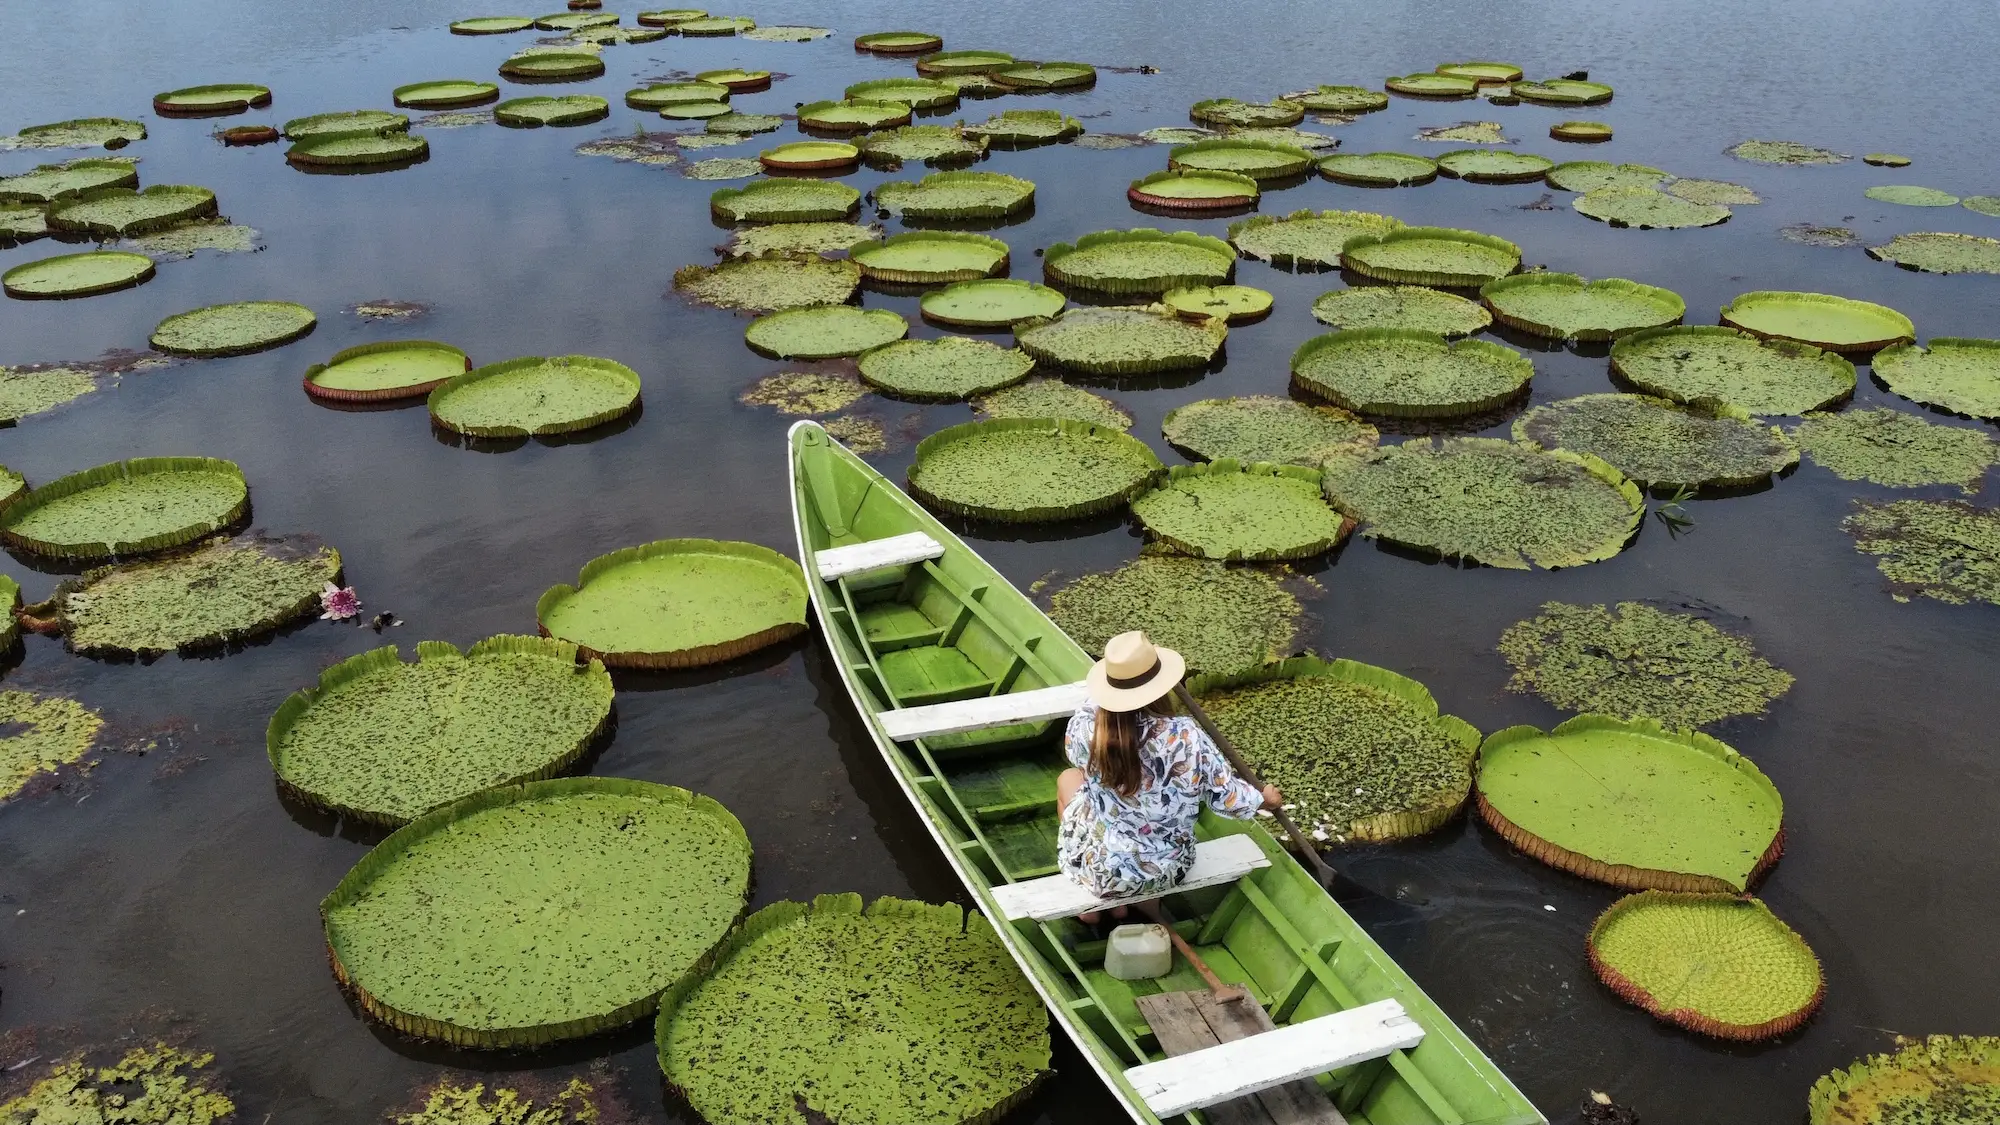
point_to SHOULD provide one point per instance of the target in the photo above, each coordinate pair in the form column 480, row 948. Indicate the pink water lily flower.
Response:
column 340, row 602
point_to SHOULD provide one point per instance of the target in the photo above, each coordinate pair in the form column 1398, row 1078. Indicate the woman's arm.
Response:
column 1225, row 792
column 1076, row 737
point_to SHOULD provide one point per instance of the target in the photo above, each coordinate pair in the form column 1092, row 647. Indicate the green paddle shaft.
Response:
column 1321, row 870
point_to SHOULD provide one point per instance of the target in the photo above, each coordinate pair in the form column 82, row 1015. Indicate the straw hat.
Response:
column 1133, row 673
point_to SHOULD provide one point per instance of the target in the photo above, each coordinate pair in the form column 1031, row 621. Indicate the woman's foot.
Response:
column 1091, row 918
column 1119, row 914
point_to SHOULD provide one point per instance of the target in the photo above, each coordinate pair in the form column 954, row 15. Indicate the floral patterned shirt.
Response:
column 1117, row 846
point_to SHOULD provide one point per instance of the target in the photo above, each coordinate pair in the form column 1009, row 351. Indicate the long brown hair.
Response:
column 1114, row 745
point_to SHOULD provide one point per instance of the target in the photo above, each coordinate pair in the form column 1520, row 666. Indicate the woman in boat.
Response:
column 1140, row 777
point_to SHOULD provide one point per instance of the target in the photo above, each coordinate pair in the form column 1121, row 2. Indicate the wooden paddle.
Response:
column 1223, row 993
column 1321, row 869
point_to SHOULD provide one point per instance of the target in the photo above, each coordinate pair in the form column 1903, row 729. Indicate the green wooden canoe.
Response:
column 920, row 626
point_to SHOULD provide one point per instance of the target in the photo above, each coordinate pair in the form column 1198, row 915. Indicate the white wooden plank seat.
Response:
column 1258, row 1062
column 874, row 554
column 1222, row 860
column 981, row 713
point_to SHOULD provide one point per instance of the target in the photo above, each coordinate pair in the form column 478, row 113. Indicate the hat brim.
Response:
column 1097, row 683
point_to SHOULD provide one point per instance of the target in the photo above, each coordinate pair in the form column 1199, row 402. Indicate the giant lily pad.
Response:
column 853, row 116
column 1259, row 160
column 570, row 109
column 1045, row 76
column 1937, row 1080
column 48, row 183
column 124, row 211
column 785, row 201
column 1839, row 324
column 1022, row 128
column 660, row 95
column 1943, row 549
column 1220, row 617
column 449, row 93
column 677, row 603
column 127, row 508
column 1580, row 132
column 1433, row 85
column 1562, row 91
column 948, row 369
column 899, row 42
column 1697, row 362
column 957, row 195
column 1492, row 166
column 233, row 329
column 1234, row 304
column 1266, row 428
column 1715, row 193
column 971, row 1040
column 390, row 150
column 45, row 733
column 1228, row 510
column 1957, row 374
column 1467, row 132
column 1495, row 502
column 930, row 144
column 1646, row 209
column 1590, row 175
column 1988, row 205
column 963, row 62
column 1784, row 152
column 1888, row 447
column 1719, row 964
column 619, row 887
column 346, row 123
column 1030, row 470
column 1636, row 661
column 1563, row 306
column 1340, row 99
column 715, row 25
column 1140, row 261
column 1229, row 111
column 917, row 93
column 930, row 257
column 1910, row 195
column 22, row 222
column 825, row 332
column 1361, row 752
column 27, row 391
column 1432, row 256
column 1486, row 73
column 736, row 78
column 1305, row 238
column 575, row 20
column 492, row 25
column 203, row 101
column 697, row 111
column 771, row 282
column 1052, row 398
column 385, row 371
column 1941, row 252
column 81, row 132
column 1378, row 169
column 553, row 66
column 991, row 303
column 1122, row 341
column 1632, row 804
column 77, row 275
column 1659, row 443
column 800, row 238
column 1401, row 373
column 1410, row 307
column 1193, row 191
column 533, row 396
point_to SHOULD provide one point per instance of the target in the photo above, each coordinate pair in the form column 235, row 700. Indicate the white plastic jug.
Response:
column 1139, row 952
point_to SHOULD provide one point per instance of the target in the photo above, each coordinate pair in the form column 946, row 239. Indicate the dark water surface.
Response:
column 177, row 882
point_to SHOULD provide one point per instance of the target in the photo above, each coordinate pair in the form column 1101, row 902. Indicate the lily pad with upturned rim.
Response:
column 395, row 149
column 1660, row 443
column 1941, row 252
column 1936, row 1080
column 1563, row 306
column 1441, row 256
column 991, row 303
column 203, row 101
column 1717, row 964
column 1052, row 398
column 1221, row 617
column 81, row 132
column 694, row 111
column 1486, row 73
column 233, row 329
column 1839, row 324
column 49, row 183
column 1897, row 450
column 957, row 195
column 1266, row 428
column 943, row 370
column 1411, row 307
column 1429, row 85
column 1886, row 160
column 931, row 144
column 810, row 156
column 446, row 93
column 932, row 257
column 853, row 116
column 1910, row 195
column 1943, row 549
column 575, row 20
column 1492, row 166
column 1030, row 470
column 570, row 109
column 1646, row 209
column 1140, row 261
column 1562, row 91
column 346, row 123
column 963, row 62
column 1193, row 191
column 77, row 275
column 131, row 507
column 1401, row 373
column 385, row 371
column 917, row 93
column 1233, row 304
column 899, row 42
column 1021, row 128
column 1582, row 132
column 659, row 95
column 824, row 332
column 1692, row 363
column 785, row 201
column 531, row 396
column 22, row 222
column 767, row 283
column 553, row 66
column 736, row 79
column 1045, row 75
column 1259, row 160
column 1589, row 175
column 1230, row 111
column 740, row 125
column 1340, row 99
column 715, row 25
column 1310, row 238
column 1126, row 340
column 1225, row 509
column 677, row 603
column 492, row 25
column 125, row 211
column 1783, row 152
column 1958, row 374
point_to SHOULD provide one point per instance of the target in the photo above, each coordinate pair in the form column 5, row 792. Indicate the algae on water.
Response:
column 1221, row 617
column 1937, row 1080
column 805, row 392
column 1889, row 447
column 156, row 1085
column 1943, row 549
column 455, row 1103
column 49, row 732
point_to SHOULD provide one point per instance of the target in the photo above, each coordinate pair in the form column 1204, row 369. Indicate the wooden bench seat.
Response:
column 1223, row 860
column 1270, row 1059
column 875, row 554
column 907, row 723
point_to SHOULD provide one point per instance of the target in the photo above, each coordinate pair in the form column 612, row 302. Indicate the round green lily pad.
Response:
column 1052, row 398
column 1402, row 373
column 1022, row 128
column 1259, row 160
column 1961, row 375
column 553, row 66
column 1221, row 617
column 660, row 95
column 1140, row 261
column 1941, row 252
column 695, row 111
column 77, row 275
column 47, row 732
column 1340, row 99
column 1562, row 91
column 27, row 391
column 445, row 94
column 1580, row 132
column 899, row 42
column 1646, row 209
column 1126, row 340
column 970, row 1036
column 618, row 887
column 715, row 25
column 1898, row 450
column 1305, row 238
column 786, row 33
column 1936, row 1080
column 735, row 124
column 1432, row 256
column 771, row 282
column 575, row 20
column 124, row 211
column 48, row 183
column 917, row 93
column 1046, row 76
column 1632, row 804
column 1909, row 195
column 1409, row 307
column 1494, row 166
column 492, row 25
column 1886, row 160
column 1563, row 306
column 990, row 303
column 1361, row 752
column 1193, row 191
column 800, row 238
column 533, row 396
column 853, row 116
column 1590, row 175
column 398, row 149
column 1943, row 549
column 668, row 17
column 1225, row 509
column 1660, row 443
column 1783, row 152
column 570, row 109
column 1499, row 503
column 785, row 201
column 1484, row 72
column 677, row 603
column 1467, row 132
column 930, row 257
column 1705, row 362
column 1988, row 205
column 1839, row 324
column 233, row 329
column 736, row 78
column 1030, row 470
column 202, row 101
column 385, row 371
column 1268, row 134
column 1636, row 661
column 826, row 332
column 1434, row 85
column 1235, row 304
column 1714, row 193
column 946, row 370
column 1378, row 169
column 131, row 507
column 1719, row 964
column 1266, row 428
column 346, row 123
column 931, row 144
column 957, row 195
column 963, row 62
column 1230, row 111
column 809, row 155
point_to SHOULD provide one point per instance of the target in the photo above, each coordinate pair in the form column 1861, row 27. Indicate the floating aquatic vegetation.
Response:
column 1491, row 166
column 1378, row 169
column 1662, row 444
column 1467, row 132
column 13, row 486
column 346, row 123
column 1941, row 252
column 568, row 65
column 453, row 119
column 963, row 62
column 1430, row 85
column 1500, row 503
column 569, row 109
column 1784, row 152
column 716, row 25
column 1234, row 304
column 125, row 211
column 917, row 93
column 786, row 33
column 930, row 257
column 131, row 507
column 388, row 310
column 534, row 396
column 608, row 36
column 694, row 111
column 451, row 1103
column 1140, row 261
column 991, row 303
column 930, row 144
column 659, row 95
column 1580, row 132
column 733, row 168
column 1839, row 324
column 1590, row 175
column 1938, row 1080
column 1943, row 549
column 1030, row 470
column 1432, row 256
column 396, row 149
column 1988, row 205
column 677, row 603
column 1563, row 306
column 1108, row 141
column 216, row 594
column 784, row 201
column 1632, row 804
column 1221, row 618
column 26, row 391
column 1230, row 111
column 1486, row 72
column 1340, row 99
column 957, row 195
column 385, row 371
column 45, row 733
column 1961, row 375
column 1909, row 195
column 973, row 85
column 1408, row 307
column 1704, row 362
column 1225, row 509
column 619, row 886
column 1266, row 428
column 1636, row 661
column 203, row 101
column 1809, row 234
column 184, row 240
column 1401, row 373
column 899, row 42
column 1022, row 128
column 1719, row 964
column 1046, row 76
column 1177, row 135
column 771, row 282
column 1646, row 209
column 970, row 1037
column 1052, row 398
column 1886, row 160
column 1562, row 91
column 1713, row 193
column 575, row 20
column 82, row 132
column 49, row 183
column 668, row 17
column 492, row 25
column 825, row 332
column 1193, row 191
column 1361, row 752
column 146, row 1085
column 1309, row 238
column 853, row 116
column 805, row 392
column 1259, row 160
column 801, row 238
column 233, row 329
column 77, row 275
column 858, row 432
column 641, row 147
column 1276, row 134
column 947, row 369
column 1888, row 447
column 1129, row 340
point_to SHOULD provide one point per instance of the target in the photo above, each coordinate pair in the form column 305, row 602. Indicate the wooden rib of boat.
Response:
column 962, row 682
